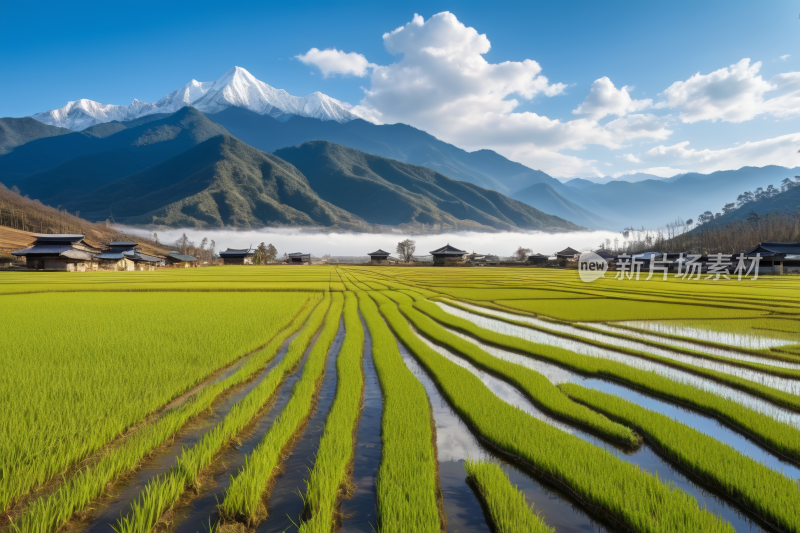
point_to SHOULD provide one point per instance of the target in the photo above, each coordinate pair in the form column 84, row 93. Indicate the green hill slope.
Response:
column 18, row 131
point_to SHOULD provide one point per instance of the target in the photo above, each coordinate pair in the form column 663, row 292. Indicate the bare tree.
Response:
column 406, row 249
column 521, row 254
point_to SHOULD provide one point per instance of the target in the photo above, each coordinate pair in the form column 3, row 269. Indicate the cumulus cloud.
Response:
column 784, row 57
column 733, row 94
column 631, row 158
column 332, row 61
column 605, row 99
column 776, row 151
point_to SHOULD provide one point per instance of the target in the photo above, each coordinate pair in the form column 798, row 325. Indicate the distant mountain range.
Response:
column 185, row 170
column 60, row 167
column 785, row 202
column 236, row 88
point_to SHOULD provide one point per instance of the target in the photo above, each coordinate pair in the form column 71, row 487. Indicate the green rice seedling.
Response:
column 48, row 513
column 776, row 385
column 74, row 361
column 757, row 488
column 408, row 493
column 505, row 504
column 538, row 388
column 772, row 433
column 328, row 481
column 244, row 497
column 622, row 493
column 162, row 492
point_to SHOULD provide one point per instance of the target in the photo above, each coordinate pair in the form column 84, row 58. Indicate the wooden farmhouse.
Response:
column 448, row 255
column 780, row 257
column 60, row 252
column 299, row 258
column 234, row 256
column 568, row 254
column 537, row 259
column 379, row 258
column 177, row 259
column 126, row 256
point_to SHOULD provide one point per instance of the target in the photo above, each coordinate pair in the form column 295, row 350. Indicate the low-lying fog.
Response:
column 318, row 243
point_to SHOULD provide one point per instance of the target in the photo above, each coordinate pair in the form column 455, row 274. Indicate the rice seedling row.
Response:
column 328, row 482
column 597, row 478
column 408, row 495
column 163, row 491
column 757, row 488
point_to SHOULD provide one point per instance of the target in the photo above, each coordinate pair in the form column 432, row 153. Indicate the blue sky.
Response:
column 113, row 52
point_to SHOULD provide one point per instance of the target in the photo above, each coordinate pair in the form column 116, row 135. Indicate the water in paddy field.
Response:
column 680, row 376
column 360, row 511
column 129, row 490
column 753, row 342
column 705, row 424
column 792, row 386
column 644, row 457
column 455, row 443
column 285, row 503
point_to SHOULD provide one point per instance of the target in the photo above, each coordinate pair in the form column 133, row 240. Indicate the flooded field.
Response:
column 352, row 398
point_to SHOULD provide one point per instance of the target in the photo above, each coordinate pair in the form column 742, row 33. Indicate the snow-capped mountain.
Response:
column 237, row 87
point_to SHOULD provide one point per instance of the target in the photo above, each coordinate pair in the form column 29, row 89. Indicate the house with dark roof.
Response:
column 238, row 256
column 68, row 252
column 379, row 258
column 448, row 255
column 298, row 258
column 568, row 254
column 537, row 259
column 179, row 260
column 126, row 256
column 781, row 257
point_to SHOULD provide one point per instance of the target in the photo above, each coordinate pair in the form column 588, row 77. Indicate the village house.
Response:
column 447, row 255
column 298, row 258
column 179, row 260
column 568, row 253
column 379, row 258
column 778, row 257
column 234, row 256
column 126, row 256
column 60, row 252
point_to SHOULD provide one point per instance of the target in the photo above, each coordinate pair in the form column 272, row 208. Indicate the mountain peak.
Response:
column 236, row 88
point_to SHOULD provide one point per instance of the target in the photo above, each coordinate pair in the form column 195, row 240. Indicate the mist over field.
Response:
column 348, row 244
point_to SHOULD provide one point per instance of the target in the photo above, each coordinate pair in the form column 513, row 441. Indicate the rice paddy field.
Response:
column 360, row 399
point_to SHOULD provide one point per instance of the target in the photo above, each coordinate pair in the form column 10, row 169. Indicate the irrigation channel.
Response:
column 644, row 457
column 750, row 401
column 125, row 493
column 455, row 443
column 360, row 512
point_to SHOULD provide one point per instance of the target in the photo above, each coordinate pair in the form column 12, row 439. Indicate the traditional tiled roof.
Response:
column 180, row 257
column 60, row 237
column 61, row 250
column 298, row 254
column 567, row 251
column 237, row 253
column 123, row 243
column 775, row 249
column 448, row 250
column 380, row 252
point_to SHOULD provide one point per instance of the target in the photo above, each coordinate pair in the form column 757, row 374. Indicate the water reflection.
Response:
column 754, row 342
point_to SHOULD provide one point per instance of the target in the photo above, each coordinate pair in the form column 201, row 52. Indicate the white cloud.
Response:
column 776, row 151
column 631, row 158
column 661, row 172
column 605, row 99
column 332, row 61
column 784, row 57
column 733, row 94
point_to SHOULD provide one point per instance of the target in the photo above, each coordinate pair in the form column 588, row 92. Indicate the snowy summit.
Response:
column 236, row 88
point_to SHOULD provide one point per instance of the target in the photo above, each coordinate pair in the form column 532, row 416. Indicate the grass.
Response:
column 508, row 511
column 75, row 361
column 620, row 492
column 408, row 492
column 162, row 492
column 329, row 479
column 760, row 489
column 244, row 498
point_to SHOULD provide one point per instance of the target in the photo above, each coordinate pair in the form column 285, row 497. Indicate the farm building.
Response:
column 60, row 252
column 608, row 256
column 234, row 256
column 126, row 256
column 299, row 258
column 177, row 259
column 447, row 255
column 379, row 258
column 567, row 253
column 537, row 259
column 781, row 257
